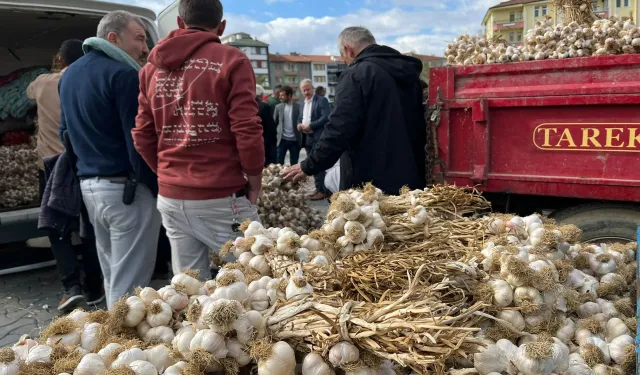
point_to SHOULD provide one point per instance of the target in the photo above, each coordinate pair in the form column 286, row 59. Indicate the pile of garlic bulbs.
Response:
column 19, row 184
column 284, row 204
column 560, row 307
column 603, row 37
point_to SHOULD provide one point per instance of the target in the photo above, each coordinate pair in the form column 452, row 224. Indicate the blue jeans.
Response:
column 292, row 147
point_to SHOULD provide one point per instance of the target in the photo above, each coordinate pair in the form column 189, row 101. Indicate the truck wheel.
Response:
column 603, row 222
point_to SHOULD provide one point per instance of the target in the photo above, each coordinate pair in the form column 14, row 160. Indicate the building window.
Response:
column 512, row 37
column 536, row 11
column 515, row 16
column 626, row 3
column 519, row 36
column 540, row 11
column 318, row 67
column 544, row 10
column 319, row 79
column 254, row 63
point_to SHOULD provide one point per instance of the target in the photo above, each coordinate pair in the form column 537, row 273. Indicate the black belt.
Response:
column 241, row 193
column 112, row 179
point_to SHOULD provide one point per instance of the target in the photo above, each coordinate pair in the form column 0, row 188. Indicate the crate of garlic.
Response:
column 603, row 37
column 423, row 282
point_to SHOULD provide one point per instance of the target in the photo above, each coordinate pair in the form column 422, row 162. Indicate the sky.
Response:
column 312, row 26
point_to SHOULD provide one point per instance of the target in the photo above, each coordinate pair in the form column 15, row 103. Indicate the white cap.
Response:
column 259, row 90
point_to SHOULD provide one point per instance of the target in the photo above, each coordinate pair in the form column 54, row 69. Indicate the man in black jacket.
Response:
column 268, row 128
column 377, row 128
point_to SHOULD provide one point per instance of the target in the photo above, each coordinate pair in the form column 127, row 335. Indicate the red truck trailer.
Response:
column 555, row 136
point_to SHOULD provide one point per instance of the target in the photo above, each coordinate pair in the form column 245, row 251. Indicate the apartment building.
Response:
column 428, row 62
column 289, row 70
column 319, row 73
column 256, row 51
column 510, row 20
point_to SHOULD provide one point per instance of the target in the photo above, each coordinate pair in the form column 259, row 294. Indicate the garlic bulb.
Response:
column 129, row 356
column 9, row 363
column 211, row 342
column 148, row 295
column 514, row 317
column 602, row 264
column 261, row 245
column 143, row 328
column 257, row 321
column 298, row 287
column 159, row 313
column 560, row 356
column 259, row 263
column 160, row 357
column 491, row 360
column 418, row 215
column 244, row 329
column 615, row 327
column 303, row 254
column 621, row 347
column 137, row 311
column 343, row 353
column 313, row 364
column 176, row 369
column 177, row 300
column 182, row 342
column 78, row 316
column 566, row 332
column 68, row 339
column 525, row 295
column 245, row 258
column 259, row 300
column 108, row 351
column 310, row 243
column 282, row 361
column 39, row 354
column 142, row 367
column 591, row 347
column 532, row 366
column 502, row 293
column 187, row 284
column 588, row 309
column 22, row 347
column 90, row 364
column 355, row 232
column 90, row 337
column 162, row 333
column 238, row 351
column 236, row 292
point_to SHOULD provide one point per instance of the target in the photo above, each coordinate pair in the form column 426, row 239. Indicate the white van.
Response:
column 168, row 19
column 32, row 32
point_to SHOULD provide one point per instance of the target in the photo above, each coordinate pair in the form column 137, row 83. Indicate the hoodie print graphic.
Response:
column 192, row 119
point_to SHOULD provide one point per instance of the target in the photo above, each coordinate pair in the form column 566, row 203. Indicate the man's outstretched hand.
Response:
column 293, row 173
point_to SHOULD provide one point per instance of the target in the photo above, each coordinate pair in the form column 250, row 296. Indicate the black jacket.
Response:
column 377, row 124
column 268, row 127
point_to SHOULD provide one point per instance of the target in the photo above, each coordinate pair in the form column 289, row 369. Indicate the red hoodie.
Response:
column 197, row 125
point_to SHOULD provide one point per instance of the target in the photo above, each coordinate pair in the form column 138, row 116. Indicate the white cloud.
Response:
column 277, row 1
column 425, row 27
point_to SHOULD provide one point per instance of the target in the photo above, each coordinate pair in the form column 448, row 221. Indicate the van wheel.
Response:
column 601, row 223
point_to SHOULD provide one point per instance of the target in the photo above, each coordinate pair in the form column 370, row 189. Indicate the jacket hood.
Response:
column 172, row 51
column 402, row 68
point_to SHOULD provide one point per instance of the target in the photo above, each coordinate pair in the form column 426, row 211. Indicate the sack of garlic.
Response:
column 423, row 281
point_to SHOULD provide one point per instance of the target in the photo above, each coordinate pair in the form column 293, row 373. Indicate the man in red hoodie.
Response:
column 198, row 129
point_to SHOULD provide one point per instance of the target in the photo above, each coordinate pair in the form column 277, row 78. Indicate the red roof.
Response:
column 324, row 58
column 288, row 58
column 513, row 2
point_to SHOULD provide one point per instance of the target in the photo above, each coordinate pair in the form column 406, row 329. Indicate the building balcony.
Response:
column 333, row 70
column 507, row 24
column 602, row 12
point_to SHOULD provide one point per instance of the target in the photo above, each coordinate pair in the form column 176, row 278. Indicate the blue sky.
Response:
column 422, row 26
